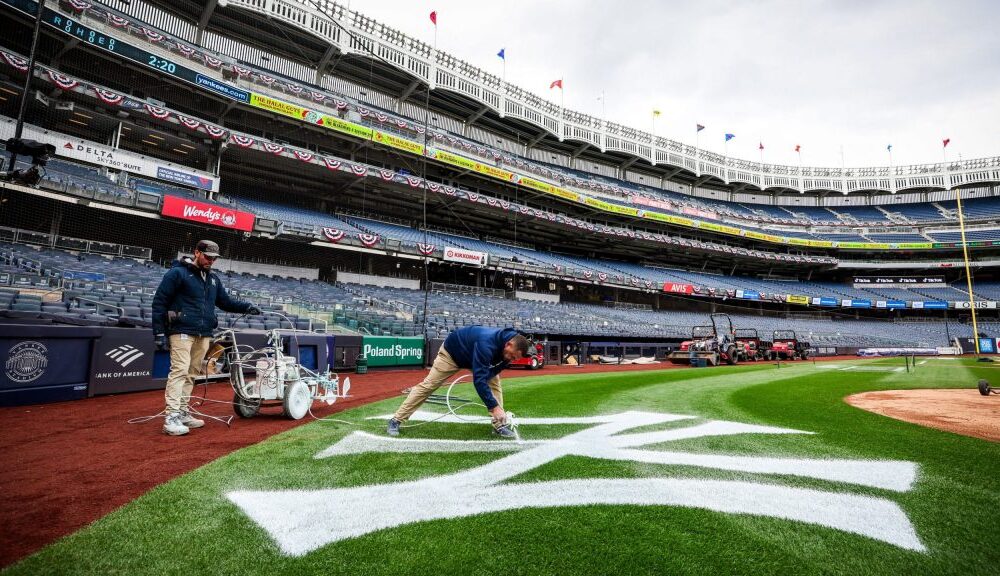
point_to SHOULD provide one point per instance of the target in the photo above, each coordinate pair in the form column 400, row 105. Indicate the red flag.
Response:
column 557, row 83
column 945, row 142
column 798, row 148
column 761, row 146
column 434, row 17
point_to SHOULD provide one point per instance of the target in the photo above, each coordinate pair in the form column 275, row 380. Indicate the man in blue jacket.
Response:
column 184, row 314
column 485, row 351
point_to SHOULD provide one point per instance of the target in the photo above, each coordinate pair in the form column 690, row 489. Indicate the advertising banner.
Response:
column 85, row 276
column 285, row 108
column 935, row 305
column 393, row 351
column 895, row 304
column 394, row 141
column 453, row 254
column 861, row 303
column 349, row 128
column 795, row 299
column 980, row 304
column 121, row 362
column 678, row 288
column 914, row 281
column 102, row 155
column 827, row 301
column 987, row 346
column 187, row 209
column 748, row 294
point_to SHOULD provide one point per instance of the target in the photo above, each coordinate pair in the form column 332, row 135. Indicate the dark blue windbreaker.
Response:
column 480, row 350
column 184, row 291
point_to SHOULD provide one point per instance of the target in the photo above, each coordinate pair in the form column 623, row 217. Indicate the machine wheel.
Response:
column 984, row 387
column 297, row 401
column 245, row 407
column 731, row 358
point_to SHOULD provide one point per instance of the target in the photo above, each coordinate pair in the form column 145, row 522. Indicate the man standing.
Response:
column 184, row 313
column 485, row 351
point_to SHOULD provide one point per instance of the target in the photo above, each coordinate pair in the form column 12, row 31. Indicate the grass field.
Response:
column 192, row 526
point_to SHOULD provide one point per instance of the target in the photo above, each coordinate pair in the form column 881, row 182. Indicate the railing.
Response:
column 441, row 70
column 628, row 306
column 473, row 290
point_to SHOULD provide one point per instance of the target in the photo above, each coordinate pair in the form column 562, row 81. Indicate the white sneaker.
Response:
column 190, row 421
column 173, row 426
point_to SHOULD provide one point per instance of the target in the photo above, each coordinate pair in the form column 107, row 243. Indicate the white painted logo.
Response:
column 301, row 521
column 124, row 355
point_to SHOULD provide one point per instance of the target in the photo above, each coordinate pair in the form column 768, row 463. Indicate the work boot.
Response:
column 393, row 428
column 190, row 421
column 173, row 426
column 504, row 431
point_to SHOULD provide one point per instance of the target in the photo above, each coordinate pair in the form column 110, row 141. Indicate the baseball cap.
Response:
column 208, row 248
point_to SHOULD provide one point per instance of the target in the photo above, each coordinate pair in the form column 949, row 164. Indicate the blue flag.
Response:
column 730, row 137
column 889, row 147
column 500, row 54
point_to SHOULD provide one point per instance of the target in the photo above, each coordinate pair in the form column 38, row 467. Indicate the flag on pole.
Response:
column 656, row 112
column 730, row 137
column 798, row 148
column 944, row 143
column 889, row 147
column 761, row 147
column 699, row 127
column 556, row 84
column 500, row 54
column 434, row 17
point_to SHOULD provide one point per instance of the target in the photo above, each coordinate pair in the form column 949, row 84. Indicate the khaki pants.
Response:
column 444, row 367
column 186, row 355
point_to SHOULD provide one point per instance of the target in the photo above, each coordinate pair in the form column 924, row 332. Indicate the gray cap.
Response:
column 208, row 248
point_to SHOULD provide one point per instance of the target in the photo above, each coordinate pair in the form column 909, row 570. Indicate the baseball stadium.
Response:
column 288, row 289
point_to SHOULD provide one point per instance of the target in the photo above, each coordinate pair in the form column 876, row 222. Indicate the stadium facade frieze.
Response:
column 445, row 72
column 664, row 151
column 450, row 158
column 320, row 118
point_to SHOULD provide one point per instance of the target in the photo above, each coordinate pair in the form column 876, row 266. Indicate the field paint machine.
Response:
column 266, row 376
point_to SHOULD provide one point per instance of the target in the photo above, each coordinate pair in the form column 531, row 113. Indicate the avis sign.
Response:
column 204, row 213
column 678, row 288
column 301, row 521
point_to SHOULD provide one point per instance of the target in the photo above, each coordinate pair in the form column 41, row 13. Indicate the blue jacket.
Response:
column 480, row 350
column 193, row 298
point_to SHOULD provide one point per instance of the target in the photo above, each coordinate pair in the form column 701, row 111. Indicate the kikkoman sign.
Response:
column 393, row 351
column 453, row 254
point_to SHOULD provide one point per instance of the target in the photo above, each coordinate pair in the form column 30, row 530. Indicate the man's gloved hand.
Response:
column 254, row 310
column 499, row 416
column 161, row 341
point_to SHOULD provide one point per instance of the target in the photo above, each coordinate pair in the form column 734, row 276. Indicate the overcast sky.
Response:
column 827, row 75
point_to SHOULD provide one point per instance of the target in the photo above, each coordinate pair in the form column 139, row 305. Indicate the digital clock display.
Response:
column 86, row 34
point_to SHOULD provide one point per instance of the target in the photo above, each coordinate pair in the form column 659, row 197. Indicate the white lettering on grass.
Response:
column 301, row 521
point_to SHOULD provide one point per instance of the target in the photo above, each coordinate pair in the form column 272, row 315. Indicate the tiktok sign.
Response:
column 222, row 216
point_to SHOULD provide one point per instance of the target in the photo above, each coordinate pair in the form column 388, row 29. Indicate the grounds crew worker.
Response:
column 485, row 351
column 184, row 312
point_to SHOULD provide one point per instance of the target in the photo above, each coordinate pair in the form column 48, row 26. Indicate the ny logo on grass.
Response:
column 301, row 521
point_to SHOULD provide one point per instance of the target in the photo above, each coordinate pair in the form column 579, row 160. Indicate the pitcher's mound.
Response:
column 963, row 411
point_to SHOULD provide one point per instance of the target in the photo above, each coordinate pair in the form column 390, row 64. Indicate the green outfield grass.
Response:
column 188, row 526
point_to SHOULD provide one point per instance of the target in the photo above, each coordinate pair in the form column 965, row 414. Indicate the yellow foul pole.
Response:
column 968, row 276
